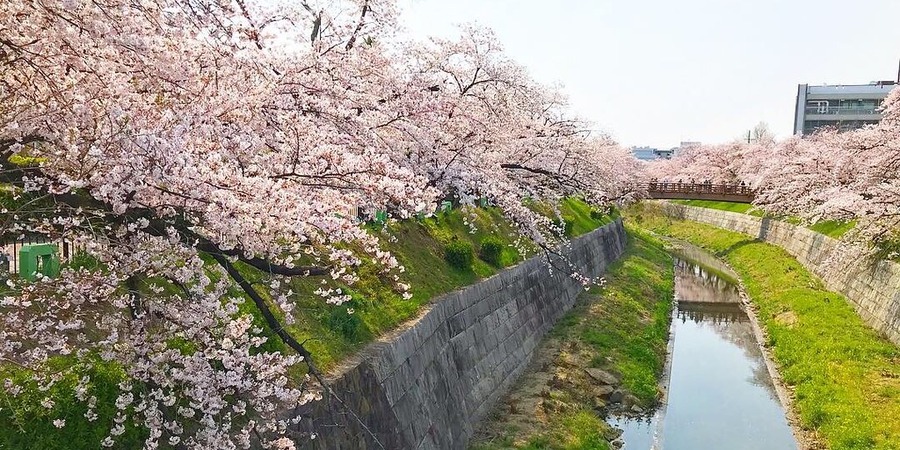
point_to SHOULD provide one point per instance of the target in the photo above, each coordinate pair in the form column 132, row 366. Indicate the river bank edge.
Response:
column 844, row 374
column 556, row 404
column 806, row 439
column 541, row 373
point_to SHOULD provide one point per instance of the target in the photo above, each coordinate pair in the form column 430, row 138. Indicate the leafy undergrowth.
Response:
column 621, row 328
column 26, row 421
column 845, row 377
column 831, row 228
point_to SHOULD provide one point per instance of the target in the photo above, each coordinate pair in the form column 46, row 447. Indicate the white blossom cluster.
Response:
column 161, row 133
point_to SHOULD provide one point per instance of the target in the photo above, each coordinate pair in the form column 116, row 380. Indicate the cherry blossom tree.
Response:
column 186, row 142
column 490, row 131
column 717, row 163
column 849, row 175
column 155, row 132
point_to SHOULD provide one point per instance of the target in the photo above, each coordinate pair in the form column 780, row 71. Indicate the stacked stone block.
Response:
column 872, row 286
column 427, row 384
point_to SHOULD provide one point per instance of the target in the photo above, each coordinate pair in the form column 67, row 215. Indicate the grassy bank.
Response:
column 329, row 332
column 743, row 208
column 831, row 228
column 845, row 378
column 622, row 328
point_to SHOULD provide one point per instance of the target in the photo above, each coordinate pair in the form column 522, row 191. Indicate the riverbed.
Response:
column 718, row 390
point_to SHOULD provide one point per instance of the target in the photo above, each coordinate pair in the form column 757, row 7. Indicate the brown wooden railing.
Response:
column 740, row 193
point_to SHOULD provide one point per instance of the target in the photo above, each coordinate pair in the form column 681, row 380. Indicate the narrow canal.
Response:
column 719, row 392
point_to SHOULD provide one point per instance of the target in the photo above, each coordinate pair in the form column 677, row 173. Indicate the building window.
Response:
column 817, row 107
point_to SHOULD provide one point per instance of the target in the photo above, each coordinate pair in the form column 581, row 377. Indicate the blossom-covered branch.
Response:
column 163, row 134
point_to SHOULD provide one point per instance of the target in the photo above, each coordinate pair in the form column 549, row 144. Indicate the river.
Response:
column 719, row 392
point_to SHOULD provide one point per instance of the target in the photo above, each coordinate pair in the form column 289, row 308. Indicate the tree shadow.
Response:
column 764, row 225
column 736, row 246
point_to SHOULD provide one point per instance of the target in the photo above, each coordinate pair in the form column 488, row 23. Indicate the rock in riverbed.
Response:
column 616, row 396
column 603, row 391
column 602, row 376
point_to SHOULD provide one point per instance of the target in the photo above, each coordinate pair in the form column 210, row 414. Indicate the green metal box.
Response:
column 38, row 258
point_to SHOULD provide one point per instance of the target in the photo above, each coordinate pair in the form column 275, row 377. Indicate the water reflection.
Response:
column 696, row 283
column 720, row 395
column 708, row 312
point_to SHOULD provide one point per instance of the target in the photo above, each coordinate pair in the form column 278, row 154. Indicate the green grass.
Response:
column 833, row 228
column 830, row 228
column 621, row 327
column 576, row 430
column 26, row 424
column 845, row 377
column 743, row 208
column 584, row 218
column 330, row 333
column 629, row 321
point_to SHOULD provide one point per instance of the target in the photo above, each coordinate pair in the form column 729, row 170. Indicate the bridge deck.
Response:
column 736, row 193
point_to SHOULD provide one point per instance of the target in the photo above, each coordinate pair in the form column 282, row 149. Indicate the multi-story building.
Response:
column 650, row 153
column 644, row 153
column 842, row 106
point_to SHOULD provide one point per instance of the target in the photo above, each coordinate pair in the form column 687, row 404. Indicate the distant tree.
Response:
column 851, row 175
column 762, row 134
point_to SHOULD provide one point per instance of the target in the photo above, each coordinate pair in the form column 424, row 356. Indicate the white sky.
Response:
column 657, row 72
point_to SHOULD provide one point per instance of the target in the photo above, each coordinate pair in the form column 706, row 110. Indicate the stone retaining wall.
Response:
column 873, row 288
column 427, row 385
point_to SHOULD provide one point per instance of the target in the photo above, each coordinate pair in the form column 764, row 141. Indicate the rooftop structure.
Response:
column 844, row 106
column 651, row 153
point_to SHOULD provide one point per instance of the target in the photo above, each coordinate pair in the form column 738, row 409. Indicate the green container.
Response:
column 38, row 258
column 446, row 206
column 381, row 216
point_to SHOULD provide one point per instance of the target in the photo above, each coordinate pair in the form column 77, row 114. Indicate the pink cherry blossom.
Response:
column 182, row 142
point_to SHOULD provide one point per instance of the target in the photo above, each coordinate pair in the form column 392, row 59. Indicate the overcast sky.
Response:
column 657, row 72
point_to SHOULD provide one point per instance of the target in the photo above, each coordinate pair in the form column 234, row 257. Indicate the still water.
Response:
column 720, row 395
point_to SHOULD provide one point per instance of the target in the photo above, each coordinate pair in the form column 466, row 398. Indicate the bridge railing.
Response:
column 703, row 190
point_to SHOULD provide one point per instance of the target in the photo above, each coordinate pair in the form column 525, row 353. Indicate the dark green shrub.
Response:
column 597, row 214
column 491, row 251
column 459, row 254
column 82, row 259
column 567, row 225
column 340, row 320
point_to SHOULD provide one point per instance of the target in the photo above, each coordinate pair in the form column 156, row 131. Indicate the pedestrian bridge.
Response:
column 738, row 193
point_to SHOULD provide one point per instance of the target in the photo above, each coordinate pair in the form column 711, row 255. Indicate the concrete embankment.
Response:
column 427, row 384
column 872, row 287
